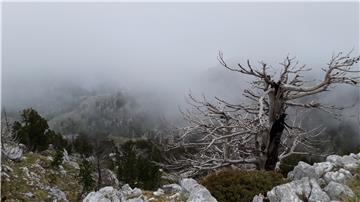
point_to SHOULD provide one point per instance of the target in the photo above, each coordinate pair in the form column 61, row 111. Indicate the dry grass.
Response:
column 354, row 185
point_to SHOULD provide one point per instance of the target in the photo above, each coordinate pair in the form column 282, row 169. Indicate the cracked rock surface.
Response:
column 320, row 182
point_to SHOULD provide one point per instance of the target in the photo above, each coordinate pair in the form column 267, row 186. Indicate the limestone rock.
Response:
column 317, row 194
column 128, row 192
column 12, row 151
column 105, row 194
column 171, row 188
column 338, row 191
column 56, row 194
column 306, row 189
column 323, row 167
column 348, row 161
column 159, row 192
column 340, row 176
column 303, row 170
column 283, row 193
column 195, row 191
column 109, row 178
column 258, row 198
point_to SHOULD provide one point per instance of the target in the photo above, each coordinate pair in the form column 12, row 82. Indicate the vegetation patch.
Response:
column 21, row 188
column 354, row 185
column 240, row 185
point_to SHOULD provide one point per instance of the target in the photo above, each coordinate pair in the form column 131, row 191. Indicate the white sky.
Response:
column 161, row 44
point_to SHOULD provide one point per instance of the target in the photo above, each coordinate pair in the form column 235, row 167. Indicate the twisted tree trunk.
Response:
column 274, row 143
column 277, row 123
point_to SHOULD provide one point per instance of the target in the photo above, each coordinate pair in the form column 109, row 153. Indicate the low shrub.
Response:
column 240, row 185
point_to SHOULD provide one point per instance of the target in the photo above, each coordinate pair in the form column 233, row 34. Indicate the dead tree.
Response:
column 221, row 135
column 253, row 132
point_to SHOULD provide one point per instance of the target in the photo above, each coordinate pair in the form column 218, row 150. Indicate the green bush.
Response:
column 240, row 185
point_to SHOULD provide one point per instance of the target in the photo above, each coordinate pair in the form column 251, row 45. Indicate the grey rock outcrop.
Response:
column 338, row 191
column 109, row 178
column 302, row 170
column 340, row 176
column 195, row 191
column 317, row 194
column 348, row 161
column 105, row 194
column 299, row 190
column 159, row 192
column 12, row 151
column 322, row 182
column 190, row 190
column 258, row 198
column 171, row 188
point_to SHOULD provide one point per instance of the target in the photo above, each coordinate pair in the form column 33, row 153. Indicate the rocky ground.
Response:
column 322, row 182
column 30, row 177
column 187, row 190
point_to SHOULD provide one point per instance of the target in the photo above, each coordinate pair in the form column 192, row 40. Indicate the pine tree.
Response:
column 32, row 130
column 86, row 180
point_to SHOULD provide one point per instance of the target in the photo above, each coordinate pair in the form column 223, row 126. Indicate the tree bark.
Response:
column 274, row 142
column 277, row 122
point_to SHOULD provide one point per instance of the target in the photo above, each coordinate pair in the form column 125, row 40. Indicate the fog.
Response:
column 161, row 50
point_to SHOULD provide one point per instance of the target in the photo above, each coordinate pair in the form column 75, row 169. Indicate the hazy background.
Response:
column 158, row 51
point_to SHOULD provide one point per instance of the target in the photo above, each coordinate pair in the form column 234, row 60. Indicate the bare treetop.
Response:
column 227, row 134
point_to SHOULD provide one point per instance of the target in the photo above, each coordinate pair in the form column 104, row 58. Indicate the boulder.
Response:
column 128, row 192
column 105, row 194
column 159, row 192
column 335, row 159
column 12, row 151
column 195, row 191
column 317, row 194
column 340, row 176
column 348, row 162
column 283, row 193
column 355, row 156
column 323, row 167
column 306, row 189
column 338, row 191
column 56, row 194
column 109, row 178
column 303, row 170
column 135, row 193
column 171, row 188
column 258, row 198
